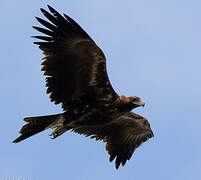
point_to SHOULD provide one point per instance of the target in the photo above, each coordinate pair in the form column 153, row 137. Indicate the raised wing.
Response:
column 74, row 64
column 123, row 135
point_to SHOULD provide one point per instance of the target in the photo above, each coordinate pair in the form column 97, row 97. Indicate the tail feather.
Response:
column 37, row 124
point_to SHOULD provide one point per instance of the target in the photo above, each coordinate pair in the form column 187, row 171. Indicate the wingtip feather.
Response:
column 51, row 9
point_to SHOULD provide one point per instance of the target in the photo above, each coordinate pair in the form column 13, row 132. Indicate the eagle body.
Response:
column 77, row 79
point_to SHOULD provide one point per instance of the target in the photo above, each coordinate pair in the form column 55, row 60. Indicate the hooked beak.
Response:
column 139, row 103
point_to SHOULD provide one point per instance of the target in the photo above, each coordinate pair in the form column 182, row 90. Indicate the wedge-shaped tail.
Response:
column 37, row 124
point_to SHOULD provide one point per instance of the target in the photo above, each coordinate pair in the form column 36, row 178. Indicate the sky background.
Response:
column 153, row 51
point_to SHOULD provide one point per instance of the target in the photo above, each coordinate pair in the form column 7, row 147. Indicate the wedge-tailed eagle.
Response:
column 76, row 77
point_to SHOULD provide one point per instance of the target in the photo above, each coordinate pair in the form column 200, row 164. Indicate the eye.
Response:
column 135, row 99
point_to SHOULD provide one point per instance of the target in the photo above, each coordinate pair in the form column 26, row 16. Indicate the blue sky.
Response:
column 153, row 51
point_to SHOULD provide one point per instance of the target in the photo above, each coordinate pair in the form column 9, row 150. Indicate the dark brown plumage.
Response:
column 76, row 77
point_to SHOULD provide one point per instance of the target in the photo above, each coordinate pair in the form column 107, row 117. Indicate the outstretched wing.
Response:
column 74, row 64
column 135, row 130
column 123, row 135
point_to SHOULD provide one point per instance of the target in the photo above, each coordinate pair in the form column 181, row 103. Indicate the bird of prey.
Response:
column 77, row 79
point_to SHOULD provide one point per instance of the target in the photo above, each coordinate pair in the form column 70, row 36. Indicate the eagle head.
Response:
column 135, row 101
column 129, row 103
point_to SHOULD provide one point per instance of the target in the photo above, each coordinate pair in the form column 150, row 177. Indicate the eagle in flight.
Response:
column 76, row 77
